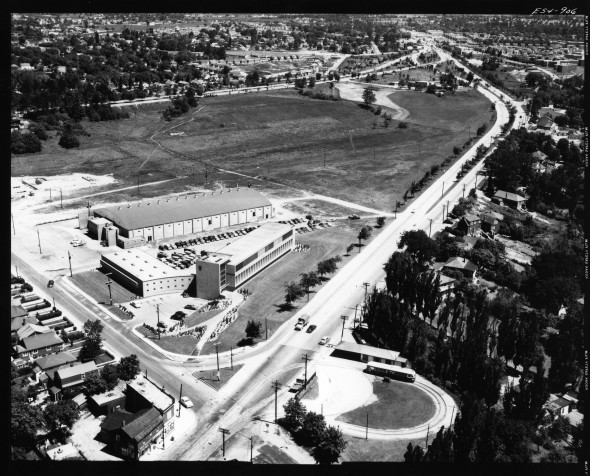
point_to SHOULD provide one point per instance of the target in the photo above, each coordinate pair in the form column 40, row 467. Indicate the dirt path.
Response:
column 354, row 92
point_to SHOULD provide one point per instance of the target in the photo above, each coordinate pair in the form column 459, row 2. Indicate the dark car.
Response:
column 311, row 328
column 50, row 283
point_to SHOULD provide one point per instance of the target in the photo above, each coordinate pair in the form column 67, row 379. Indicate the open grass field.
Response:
column 319, row 208
column 359, row 449
column 282, row 137
column 268, row 287
column 210, row 376
column 180, row 345
column 399, row 405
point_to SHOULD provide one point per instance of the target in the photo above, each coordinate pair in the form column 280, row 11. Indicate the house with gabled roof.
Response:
column 469, row 224
column 39, row 345
column 463, row 265
column 510, row 199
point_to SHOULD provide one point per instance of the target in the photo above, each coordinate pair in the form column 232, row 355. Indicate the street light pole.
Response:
column 443, row 216
column 217, row 353
column 430, row 228
column 223, row 433
column 179, row 400
column 70, row 260
column 266, row 328
column 61, row 203
column 158, row 325
column 366, row 285
column 464, row 190
column 443, row 189
column 231, row 357
column 39, row 238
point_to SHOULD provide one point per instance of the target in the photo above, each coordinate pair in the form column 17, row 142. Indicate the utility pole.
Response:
column 231, row 357
column 217, row 352
column 366, row 285
column 223, row 433
column 427, row 434
column 251, row 438
column 266, row 328
column 367, row 428
column 70, row 260
column 108, row 283
column 13, row 230
column 355, row 309
column 61, row 203
column 158, row 325
column 138, row 193
column 179, row 400
column 39, row 238
column 430, row 228
column 464, row 190
column 443, row 190
column 443, row 218
column 448, row 207
column 276, row 385
column 343, row 321
column 306, row 358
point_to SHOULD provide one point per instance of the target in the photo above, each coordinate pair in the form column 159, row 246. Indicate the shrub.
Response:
column 403, row 125
column 24, row 143
column 245, row 342
column 69, row 141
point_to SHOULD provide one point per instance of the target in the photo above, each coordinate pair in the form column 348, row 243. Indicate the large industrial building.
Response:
column 231, row 266
column 166, row 218
column 226, row 268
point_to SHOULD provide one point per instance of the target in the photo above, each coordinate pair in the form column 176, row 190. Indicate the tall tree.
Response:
column 308, row 281
column 364, row 234
column 330, row 446
column 128, row 367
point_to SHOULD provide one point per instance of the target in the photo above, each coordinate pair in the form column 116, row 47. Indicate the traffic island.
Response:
column 209, row 377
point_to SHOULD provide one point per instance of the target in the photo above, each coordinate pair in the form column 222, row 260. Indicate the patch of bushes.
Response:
column 246, row 341
column 403, row 125
column 24, row 143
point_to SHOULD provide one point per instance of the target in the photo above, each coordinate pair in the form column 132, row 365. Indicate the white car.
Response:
column 77, row 242
column 185, row 401
column 324, row 340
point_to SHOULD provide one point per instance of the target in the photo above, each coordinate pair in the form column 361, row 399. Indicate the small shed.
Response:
column 106, row 402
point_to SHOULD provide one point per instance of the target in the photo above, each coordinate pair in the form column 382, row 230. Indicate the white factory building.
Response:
column 167, row 218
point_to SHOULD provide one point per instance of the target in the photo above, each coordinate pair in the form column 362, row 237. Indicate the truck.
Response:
column 301, row 323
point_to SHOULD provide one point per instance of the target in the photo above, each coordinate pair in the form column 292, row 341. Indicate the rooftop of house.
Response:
column 55, row 360
column 151, row 392
column 144, row 424
column 460, row 263
column 16, row 310
column 108, row 396
column 19, row 322
column 368, row 350
column 509, row 196
column 115, row 419
column 41, row 340
column 32, row 329
column 471, row 218
column 76, row 370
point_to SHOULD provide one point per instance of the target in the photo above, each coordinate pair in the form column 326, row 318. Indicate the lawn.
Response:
column 359, row 449
column 281, row 137
column 179, row 345
column 197, row 318
column 210, row 376
column 267, row 288
column 93, row 284
column 399, row 405
column 320, row 209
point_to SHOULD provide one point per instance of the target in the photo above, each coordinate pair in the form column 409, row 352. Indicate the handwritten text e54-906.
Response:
column 554, row 11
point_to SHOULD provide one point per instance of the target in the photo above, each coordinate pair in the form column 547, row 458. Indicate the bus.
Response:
column 394, row 371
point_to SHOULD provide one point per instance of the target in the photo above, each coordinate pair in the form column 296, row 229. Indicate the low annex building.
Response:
column 232, row 265
column 144, row 274
column 166, row 218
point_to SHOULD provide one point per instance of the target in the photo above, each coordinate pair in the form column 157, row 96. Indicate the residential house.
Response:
column 26, row 66
column 557, row 405
column 463, row 265
column 31, row 330
column 16, row 310
column 510, row 199
column 490, row 222
column 20, row 322
column 107, row 402
column 143, row 393
column 39, row 345
column 469, row 224
column 71, row 377
column 46, row 366
column 551, row 112
column 547, row 125
column 132, row 434
column 539, row 156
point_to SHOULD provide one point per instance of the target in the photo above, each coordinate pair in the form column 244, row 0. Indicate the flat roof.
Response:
column 243, row 248
column 155, row 212
column 368, row 350
column 151, row 392
column 144, row 266
column 76, row 370
column 108, row 396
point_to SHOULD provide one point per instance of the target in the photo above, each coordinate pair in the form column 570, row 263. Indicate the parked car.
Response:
column 354, row 217
column 185, row 401
column 191, row 307
column 324, row 340
column 311, row 328
column 136, row 305
column 50, row 283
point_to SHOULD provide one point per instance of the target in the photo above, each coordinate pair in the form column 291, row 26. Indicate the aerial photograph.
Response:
column 298, row 239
